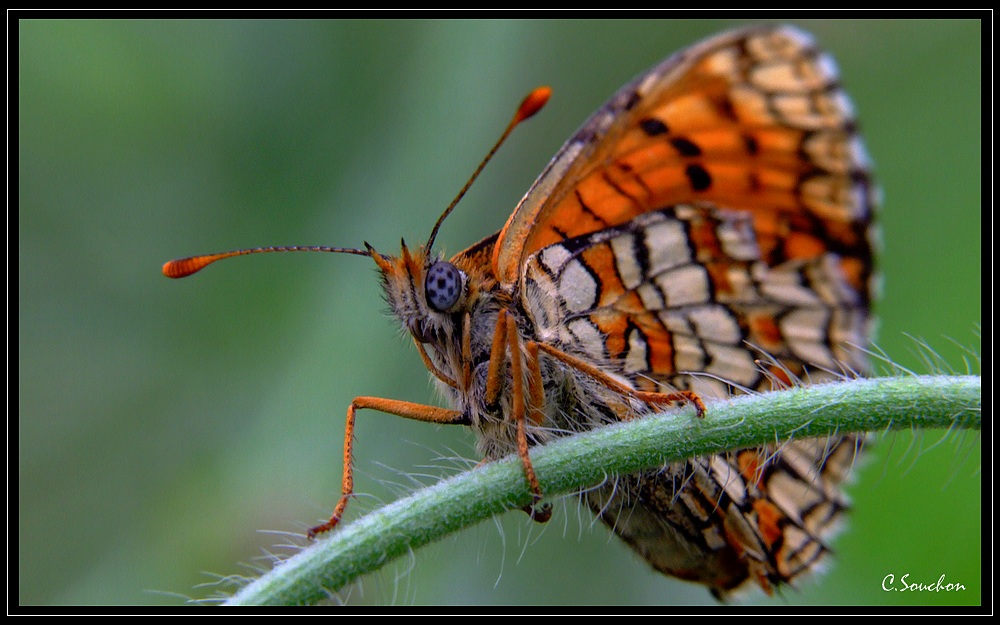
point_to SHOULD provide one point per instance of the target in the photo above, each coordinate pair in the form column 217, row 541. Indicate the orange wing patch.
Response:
column 755, row 121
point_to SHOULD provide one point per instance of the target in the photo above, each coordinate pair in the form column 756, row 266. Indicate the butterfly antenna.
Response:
column 529, row 106
column 183, row 267
column 186, row 266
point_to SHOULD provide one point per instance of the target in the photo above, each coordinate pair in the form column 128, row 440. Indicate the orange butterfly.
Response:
column 706, row 232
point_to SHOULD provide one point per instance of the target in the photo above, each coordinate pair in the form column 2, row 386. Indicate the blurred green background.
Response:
column 170, row 433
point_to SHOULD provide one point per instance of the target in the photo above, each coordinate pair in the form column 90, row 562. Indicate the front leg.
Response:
column 409, row 410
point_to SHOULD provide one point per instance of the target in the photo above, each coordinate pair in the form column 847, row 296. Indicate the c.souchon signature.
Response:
column 890, row 584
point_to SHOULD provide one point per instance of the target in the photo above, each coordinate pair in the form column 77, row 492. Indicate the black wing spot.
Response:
column 686, row 147
column 698, row 177
column 653, row 127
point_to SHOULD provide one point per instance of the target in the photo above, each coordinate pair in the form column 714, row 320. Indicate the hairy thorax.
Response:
column 572, row 401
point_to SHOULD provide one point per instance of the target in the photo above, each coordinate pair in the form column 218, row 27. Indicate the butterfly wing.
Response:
column 709, row 229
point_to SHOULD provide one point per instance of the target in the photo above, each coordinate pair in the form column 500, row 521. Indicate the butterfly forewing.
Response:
column 752, row 120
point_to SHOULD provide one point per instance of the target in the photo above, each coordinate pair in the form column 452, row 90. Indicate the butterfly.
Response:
column 709, row 231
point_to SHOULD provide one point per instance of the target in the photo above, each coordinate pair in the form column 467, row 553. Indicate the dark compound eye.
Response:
column 443, row 286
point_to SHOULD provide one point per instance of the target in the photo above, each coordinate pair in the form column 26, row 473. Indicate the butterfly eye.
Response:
column 443, row 286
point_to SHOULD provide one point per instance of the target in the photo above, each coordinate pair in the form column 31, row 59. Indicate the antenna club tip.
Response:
column 183, row 267
column 173, row 269
column 533, row 103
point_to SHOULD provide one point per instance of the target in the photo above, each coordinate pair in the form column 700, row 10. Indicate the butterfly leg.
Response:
column 409, row 410
column 497, row 361
column 615, row 385
column 505, row 336
column 543, row 514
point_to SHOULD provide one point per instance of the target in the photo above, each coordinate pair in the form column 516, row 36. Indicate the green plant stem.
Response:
column 581, row 461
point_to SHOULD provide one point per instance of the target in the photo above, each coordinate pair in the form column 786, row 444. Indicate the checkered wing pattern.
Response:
column 711, row 229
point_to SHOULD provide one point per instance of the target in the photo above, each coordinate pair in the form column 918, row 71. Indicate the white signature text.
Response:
column 889, row 583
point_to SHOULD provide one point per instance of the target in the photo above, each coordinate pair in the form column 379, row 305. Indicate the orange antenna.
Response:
column 529, row 106
column 186, row 266
column 183, row 267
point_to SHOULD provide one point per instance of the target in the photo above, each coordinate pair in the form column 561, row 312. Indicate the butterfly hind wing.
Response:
column 682, row 298
column 759, row 516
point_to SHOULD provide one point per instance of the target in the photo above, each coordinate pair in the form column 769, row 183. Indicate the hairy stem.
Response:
column 581, row 461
